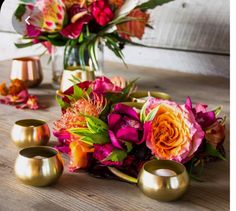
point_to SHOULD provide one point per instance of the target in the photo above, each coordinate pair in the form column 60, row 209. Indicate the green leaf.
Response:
column 23, row 45
column 151, row 114
column 88, row 136
column 128, row 145
column 96, row 124
column 78, row 92
column 116, row 156
column 213, row 152
column 151, row 4
column 61, row 103
column 20, row 11
column 217, row 110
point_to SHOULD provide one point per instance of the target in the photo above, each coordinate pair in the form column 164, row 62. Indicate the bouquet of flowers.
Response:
column 100, row 127
column 81, row 24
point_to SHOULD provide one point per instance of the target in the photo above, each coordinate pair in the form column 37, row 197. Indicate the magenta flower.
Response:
column 203, row 117
column 102, row 12
column 73, row 30
column 102, row 152
column 124, row 126
column 103, row 85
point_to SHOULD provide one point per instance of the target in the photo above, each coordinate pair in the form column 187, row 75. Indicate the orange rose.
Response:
column 171, row 131
column 78, row 155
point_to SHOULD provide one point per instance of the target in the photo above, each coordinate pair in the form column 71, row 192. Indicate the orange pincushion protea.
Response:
column 74, row 116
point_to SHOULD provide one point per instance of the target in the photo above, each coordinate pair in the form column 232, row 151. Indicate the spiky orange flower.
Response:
column 74, row 116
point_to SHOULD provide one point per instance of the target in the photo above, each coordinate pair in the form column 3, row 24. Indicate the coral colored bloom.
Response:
column 102, row 12
column 134, row 28
column 171, row 132
column 79, row 155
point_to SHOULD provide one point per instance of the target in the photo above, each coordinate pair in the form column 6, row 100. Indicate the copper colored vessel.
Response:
column 27, row 69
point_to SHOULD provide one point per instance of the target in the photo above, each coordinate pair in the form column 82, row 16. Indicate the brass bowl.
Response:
column 141, row 96
column 163, row 188
column 30, row 132
column 27, row 69
column 38, row 166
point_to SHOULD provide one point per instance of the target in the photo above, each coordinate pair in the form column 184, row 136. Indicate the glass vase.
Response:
column 66, row 66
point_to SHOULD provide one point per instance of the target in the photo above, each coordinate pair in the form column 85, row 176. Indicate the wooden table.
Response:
column 79, row 191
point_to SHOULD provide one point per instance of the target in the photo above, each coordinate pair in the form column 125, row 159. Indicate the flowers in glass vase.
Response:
column 82, row 24
column 113, row 132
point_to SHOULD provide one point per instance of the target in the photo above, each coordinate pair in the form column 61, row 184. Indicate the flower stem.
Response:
column 122, row 175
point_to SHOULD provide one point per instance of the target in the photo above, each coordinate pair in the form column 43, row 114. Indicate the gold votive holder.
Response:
column 163, row 180
column 27, row 69
column 39, row 166
column 141, row 96
column 30, row 132
column 163, row 188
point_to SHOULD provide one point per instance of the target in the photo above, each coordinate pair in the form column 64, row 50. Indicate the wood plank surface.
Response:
column 78, row 191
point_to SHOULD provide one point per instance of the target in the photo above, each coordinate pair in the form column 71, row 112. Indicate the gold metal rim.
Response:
column 45, row 151
column 26, row 123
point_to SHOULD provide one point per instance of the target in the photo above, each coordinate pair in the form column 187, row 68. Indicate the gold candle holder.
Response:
column 162, row 188
column 30, row 132
column 27, row 69
column 141, row 96
column 38, row 166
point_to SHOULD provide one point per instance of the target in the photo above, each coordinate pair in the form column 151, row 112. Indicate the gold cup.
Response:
column 30, row 132
column 38, row 166
column 27, row 69
column 141, row 96
column 161, row 188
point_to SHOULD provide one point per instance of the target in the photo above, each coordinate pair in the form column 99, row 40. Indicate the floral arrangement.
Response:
column 17, row 94
column 100, row 127
column 82, row 24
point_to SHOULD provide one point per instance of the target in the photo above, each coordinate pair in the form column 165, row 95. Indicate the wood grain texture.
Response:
column 79, row 191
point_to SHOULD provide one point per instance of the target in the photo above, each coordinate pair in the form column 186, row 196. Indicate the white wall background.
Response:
column 188, row 35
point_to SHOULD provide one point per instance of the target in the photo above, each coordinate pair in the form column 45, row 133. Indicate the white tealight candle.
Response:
column 39, row 157
column 164, row 172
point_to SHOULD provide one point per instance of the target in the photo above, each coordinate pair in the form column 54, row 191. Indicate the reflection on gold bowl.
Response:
column 30, row 132
column 163, row 188
column 157, row 186
column 27, row 69
column 38, row 166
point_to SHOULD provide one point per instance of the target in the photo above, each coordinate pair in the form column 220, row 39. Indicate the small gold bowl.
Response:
column 39, row 166
column 141, row 96
column 163, row 188
column 27, row 69
column 30, row 132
